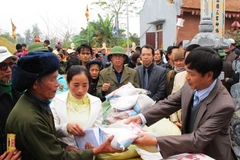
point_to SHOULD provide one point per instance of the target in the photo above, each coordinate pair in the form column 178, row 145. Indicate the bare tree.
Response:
column 62, row 29
column 118, row 7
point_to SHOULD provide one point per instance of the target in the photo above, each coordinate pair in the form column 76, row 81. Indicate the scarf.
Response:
column 7, row 88
column 179, row 69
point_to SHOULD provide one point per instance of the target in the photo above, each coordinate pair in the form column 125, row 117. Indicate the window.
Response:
column 159, row 26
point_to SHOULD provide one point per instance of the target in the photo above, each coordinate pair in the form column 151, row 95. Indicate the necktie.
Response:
column 145, row 79
column 195, row 99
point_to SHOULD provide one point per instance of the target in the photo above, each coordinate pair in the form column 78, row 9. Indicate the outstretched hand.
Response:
column 136, row 119
column 145, row 139
column 105, row 147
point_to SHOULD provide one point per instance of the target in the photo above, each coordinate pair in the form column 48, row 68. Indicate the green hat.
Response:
column 37, row 47
column 221, row 53
column 117, row 50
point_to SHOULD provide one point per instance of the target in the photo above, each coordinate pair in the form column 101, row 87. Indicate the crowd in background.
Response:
column 84, row 77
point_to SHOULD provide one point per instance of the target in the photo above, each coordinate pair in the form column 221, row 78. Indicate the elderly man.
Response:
column 207, row 109
column 31, row 119
column 8, row 94
column 116, row 75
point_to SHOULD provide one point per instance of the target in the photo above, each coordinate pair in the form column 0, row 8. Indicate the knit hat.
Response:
column 5, row 54
column 32, row 66
column 117, row 50
column 37, row 47
column 179, row 54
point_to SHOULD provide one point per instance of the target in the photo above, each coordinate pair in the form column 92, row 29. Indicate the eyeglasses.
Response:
column 4, row 66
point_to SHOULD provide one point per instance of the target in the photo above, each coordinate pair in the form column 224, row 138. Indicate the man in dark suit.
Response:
column 156, row 75
column 207, row 109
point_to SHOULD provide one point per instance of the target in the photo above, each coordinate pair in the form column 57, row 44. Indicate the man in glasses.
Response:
column 8, row 95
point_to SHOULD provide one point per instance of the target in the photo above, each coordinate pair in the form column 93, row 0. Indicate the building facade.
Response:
column 158, row 20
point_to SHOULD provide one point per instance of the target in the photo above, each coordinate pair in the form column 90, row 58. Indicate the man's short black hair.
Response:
column 148, row 47
column 24, row 45
column 180, row 44
column 169, row 51
column 190, row 48
column 47, row 42
column 204, row 60
column 138, row 48
column 59, row 48
column 84, row 46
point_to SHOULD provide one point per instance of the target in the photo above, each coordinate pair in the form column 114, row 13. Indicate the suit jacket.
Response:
column 228, row 72
column 108, row 75
column 156, row 81
column 59, row 110
column 211, row 128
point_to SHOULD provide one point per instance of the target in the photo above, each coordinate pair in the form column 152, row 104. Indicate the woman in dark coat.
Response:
column 8, row 95
column 94, row 67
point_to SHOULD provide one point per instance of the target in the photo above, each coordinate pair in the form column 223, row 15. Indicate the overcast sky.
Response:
column 25, row 13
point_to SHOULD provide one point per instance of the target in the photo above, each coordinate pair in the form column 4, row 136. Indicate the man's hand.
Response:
column 105, row 147
column 13, row 155
column 105, row 86
column 145, row 139
column 178, row 124
column 136, row 119
column 75, row 129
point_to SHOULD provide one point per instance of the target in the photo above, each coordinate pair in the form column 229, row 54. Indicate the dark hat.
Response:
column 95, row 61
column 32, row 66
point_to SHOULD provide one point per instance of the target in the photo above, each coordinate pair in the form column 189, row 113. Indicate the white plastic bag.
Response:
column 125, row 134
column 126, row 90
column 124, row 103
column 123, row 137
column 143, row 102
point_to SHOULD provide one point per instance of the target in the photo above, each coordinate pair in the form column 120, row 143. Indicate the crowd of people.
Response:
column 48, row 95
